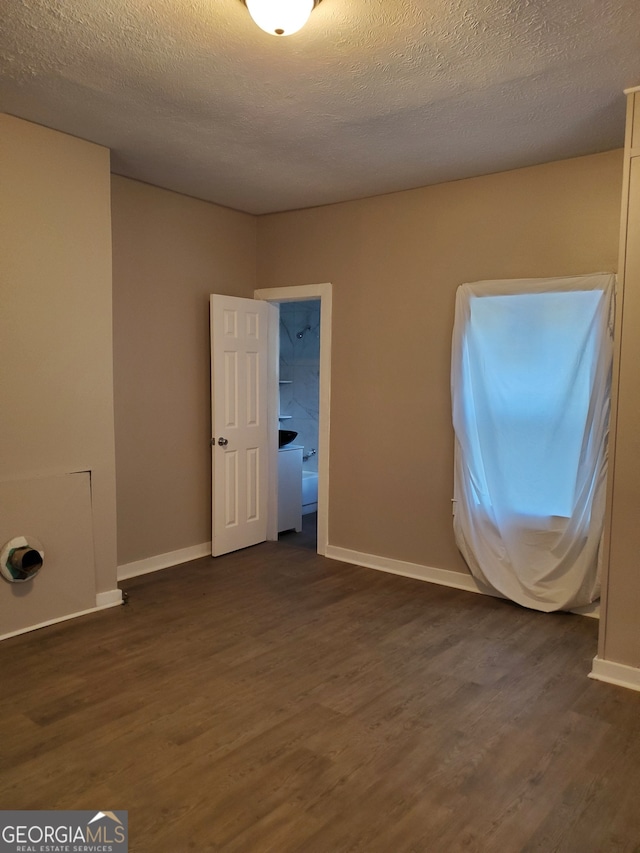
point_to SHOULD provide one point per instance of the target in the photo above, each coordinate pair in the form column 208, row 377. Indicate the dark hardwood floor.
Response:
column 273, row 700
column 308, row 536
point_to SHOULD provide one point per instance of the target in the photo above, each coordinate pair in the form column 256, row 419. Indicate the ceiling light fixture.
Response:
column 281, row 17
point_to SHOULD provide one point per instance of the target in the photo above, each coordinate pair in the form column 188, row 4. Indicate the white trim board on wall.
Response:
column 163, row 561
column 615, row 673
column 104, row 600
column 443, row 577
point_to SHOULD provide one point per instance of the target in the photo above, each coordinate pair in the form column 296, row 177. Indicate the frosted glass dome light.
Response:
column 280, row 17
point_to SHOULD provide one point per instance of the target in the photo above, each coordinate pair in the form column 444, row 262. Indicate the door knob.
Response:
column 222, row 442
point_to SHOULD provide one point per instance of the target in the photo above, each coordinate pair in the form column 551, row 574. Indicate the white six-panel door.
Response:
column 239, row 417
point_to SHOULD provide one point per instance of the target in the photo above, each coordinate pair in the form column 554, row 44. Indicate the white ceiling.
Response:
column 372, row 96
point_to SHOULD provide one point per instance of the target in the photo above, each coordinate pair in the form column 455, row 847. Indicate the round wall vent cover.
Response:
column 21, row 559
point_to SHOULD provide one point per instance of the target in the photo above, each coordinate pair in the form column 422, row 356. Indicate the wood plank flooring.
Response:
column 272, row 700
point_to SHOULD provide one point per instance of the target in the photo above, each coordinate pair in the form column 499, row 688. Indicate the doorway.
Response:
column 299, row 414
column 299, row 294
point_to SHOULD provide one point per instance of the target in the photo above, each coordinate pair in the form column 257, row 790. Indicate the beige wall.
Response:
column 395, row 262
column 620, row 625
column 169, row 253
column 55, row 332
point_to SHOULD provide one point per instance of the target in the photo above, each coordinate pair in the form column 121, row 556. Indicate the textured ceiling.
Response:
column 372, row 96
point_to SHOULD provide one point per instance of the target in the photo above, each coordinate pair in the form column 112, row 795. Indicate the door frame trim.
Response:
column 303, row 293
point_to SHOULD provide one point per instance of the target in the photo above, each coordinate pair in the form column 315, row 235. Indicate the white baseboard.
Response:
column 163, row 561
column 443, row 577
column 111, row 598
column 615, row 673
column 591, row 610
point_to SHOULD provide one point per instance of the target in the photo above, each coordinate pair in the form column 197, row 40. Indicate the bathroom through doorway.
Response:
column 302, row 396
column 299, row 411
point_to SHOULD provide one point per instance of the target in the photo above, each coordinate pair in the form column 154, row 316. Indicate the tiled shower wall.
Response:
column 300, row 363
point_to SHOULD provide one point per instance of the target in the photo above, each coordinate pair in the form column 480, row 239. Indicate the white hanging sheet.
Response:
column 531, row 381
